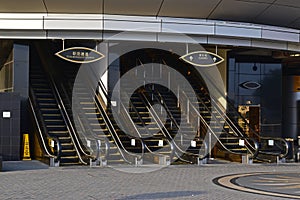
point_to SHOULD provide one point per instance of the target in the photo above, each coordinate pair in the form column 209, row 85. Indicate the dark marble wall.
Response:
column 10, row 138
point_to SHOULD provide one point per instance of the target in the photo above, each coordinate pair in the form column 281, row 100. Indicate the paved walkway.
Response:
column 34, row 180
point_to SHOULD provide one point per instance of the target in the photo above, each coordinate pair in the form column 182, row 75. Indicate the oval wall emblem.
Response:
column 80, row 55
column 202, row 58
column 250, row 85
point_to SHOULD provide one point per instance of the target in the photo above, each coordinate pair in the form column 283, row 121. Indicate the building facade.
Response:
column 169, row 80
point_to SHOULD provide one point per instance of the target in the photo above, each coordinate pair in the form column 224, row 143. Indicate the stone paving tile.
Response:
column 174, row 182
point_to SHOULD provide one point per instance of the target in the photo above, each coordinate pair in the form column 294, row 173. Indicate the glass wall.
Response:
column 255, row 80
column 6, row 75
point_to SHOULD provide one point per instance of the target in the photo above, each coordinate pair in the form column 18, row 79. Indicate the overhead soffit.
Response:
column 284, row 13
column 281, row 15
column 238, row 10
column 74, row 6
column 188, row 8
column 132, row 7
column 20, row 6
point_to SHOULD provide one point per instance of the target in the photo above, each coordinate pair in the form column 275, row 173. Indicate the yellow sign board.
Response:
column 26, row 149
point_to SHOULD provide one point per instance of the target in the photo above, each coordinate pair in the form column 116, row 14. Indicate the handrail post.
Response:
column 188, row 111
column 209, row 145
column 178, row 95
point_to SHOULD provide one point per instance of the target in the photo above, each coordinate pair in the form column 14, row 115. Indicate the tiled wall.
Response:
column 10, row 138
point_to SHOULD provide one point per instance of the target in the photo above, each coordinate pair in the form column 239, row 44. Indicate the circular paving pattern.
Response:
column 284, row 185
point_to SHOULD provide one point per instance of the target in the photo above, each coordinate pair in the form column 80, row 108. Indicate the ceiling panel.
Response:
column 284, row 13
column 35, row 6
column 74, row 6
column 188, row 8
column 293, row 3
column 243, row 11
column 279, row 15
column 132, row 7
column 295, row 24
column 258, row 1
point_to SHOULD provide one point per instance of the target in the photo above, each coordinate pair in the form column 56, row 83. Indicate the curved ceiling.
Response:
column 284, row 13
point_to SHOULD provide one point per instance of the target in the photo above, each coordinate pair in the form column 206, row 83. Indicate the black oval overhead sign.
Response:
column 202, row 58
column 80, row 55
column 250, row 85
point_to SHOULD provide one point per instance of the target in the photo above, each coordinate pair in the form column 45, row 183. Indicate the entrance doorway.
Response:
column 250, row 120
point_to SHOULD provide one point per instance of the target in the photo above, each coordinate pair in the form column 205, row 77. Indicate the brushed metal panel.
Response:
column 132, row 26
column 229, row 41
column 269, row 44
column 129, row 36
column 279, row 35
column 238, row 31
column 201, row 29
column 29, row 34
column 73, row 24
column 181, row 38
column 19, row 24
column 53, row 34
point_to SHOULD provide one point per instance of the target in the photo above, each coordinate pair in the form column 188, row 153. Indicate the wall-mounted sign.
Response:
column 202, row 58
column 250, row 85
column 6, row 114
column 80, row 55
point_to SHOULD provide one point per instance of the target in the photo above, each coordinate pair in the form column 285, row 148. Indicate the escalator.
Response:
column 213, row 122
column 56, row 124
column 90, row 111
column 233, row 137
column 190, row 147
column 134, row 133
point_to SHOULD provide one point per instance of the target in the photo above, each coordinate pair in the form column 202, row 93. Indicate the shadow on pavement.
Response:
column 165, row 195
column 23, row 165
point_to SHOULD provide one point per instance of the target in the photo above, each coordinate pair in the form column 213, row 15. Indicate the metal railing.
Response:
column 123, row 151
column 220, row 108
column 144, row 127
column 174, row 121
column 95, row 138
column 165, row 131
column 75, row 140
column 252, row 149
column 44, row 136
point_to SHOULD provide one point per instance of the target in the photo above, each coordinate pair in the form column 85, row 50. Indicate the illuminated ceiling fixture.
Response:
column 295, row 55
column 202, row 58
column 79, row 54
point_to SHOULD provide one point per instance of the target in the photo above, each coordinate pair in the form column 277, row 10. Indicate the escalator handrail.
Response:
column 238, row 133
column 174, row 120
column 221, row 143
column 83, row 129
column 144, row 125
column 41, row 134
column 67, row 120
column 111, row 127
column 244, row 120
column 113, row 133
column 256, row 145
column 139, row 116
column 257, row 135
column 281, row 155
column 163, row 129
